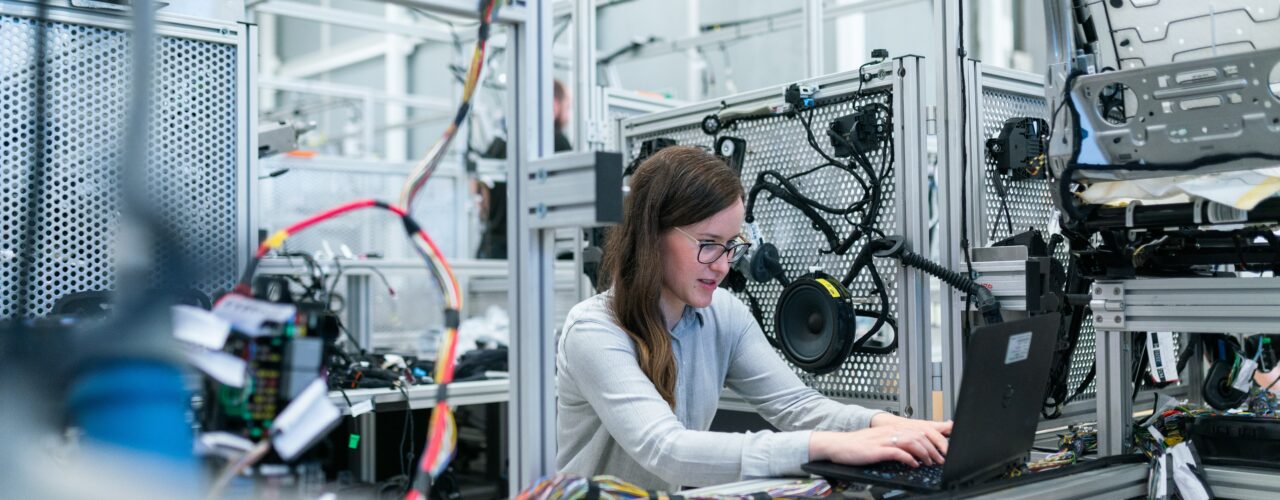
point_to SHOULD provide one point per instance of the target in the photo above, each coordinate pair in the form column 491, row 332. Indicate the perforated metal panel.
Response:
column 1028, row 202
column 314, row 185
column 779, row 143
column 193, row 153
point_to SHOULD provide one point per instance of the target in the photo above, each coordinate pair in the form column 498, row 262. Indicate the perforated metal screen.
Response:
column 193, row 166
column 779, row 143
column 1026, row 204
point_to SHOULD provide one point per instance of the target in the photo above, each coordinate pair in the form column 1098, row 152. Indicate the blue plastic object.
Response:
column 137, row 406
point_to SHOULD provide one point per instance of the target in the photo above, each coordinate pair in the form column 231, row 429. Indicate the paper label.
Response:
column 830, row 289
column 225, row 368
column 307, row 419
column 1244, row 377
column 1161, row 480
column 362, row 408
column 750, row 231
column 248, row 315
column 1189, row 486
column 1223, row 214
column 1019, row 348
column 199, row 327
column 210, row 442
column 1163, row 360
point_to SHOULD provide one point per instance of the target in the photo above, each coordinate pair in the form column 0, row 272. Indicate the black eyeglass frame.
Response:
column 736, row 252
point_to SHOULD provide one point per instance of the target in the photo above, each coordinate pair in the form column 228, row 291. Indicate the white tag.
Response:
column 307, row 419
column 1244, row 377
column 247, row 315
column 1220, row 214
column 222, row 444
column 225, row 368
column 1156, row 433
column 1164, row 363
column 1189, row 486
column 199, row 327
column 1019, row 348
column 362, row 408
column 753, row 234
column 1161, row 479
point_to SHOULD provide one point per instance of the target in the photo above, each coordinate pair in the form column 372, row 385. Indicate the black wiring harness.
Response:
column 860, row 214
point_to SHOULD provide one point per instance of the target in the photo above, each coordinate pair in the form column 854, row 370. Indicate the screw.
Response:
column 1097, row 318
column 1097, row 291
column 1117, row 319
column 1116, row 290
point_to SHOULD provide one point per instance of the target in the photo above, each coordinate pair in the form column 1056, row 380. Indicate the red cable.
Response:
column 446, row 376
column 322, row 216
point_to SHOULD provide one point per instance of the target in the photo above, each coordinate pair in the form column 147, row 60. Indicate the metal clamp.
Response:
column 1107, row 304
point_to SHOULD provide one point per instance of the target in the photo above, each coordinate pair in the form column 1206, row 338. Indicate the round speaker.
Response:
column 813, row 321
column 1217, row 392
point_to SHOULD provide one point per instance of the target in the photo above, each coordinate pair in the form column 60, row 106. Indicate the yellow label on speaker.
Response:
column 830, row 289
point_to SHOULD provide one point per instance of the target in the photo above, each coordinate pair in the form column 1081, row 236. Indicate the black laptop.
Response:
column 1006, row 371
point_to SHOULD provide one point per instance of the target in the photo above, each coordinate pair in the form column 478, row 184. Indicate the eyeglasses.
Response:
column 709, row 252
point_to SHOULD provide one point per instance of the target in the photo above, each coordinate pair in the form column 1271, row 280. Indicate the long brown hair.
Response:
column 677, row 186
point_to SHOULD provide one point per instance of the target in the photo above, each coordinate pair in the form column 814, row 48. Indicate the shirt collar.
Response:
column 691, row 319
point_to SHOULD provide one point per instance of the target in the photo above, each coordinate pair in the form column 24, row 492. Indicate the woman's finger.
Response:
column 917, row 449
column 896, row 454
column 939, row 441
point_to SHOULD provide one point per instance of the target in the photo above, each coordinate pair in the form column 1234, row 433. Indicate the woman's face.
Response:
column 684, row 279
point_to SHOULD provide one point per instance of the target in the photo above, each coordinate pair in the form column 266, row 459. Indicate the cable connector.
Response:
column 799, row 96
column 452, row 318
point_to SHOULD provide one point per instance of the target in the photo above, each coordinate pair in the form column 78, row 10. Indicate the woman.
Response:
column 641, row 366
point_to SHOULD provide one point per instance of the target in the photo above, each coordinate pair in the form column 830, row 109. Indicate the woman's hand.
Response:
column 911, row 442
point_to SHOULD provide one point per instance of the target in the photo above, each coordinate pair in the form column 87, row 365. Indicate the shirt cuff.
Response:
column 777, row 455
column 862, row 420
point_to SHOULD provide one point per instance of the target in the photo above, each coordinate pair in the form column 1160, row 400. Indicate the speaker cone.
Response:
column 813, row 323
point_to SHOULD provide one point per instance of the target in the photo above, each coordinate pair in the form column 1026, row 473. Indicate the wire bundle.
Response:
column 423, row 170
column 1171, row 424
column 573, row 487
column 861, row 214
column 443, row 430
column 442, row 439
column 1077, row 443
column 1264, row 403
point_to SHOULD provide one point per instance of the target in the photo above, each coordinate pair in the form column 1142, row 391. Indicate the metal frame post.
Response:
column 532, row 355
column 950, row 139
column 586, row 96
column 1114, row 397
column 913, row 208
column 814, row 39
column 359, row 307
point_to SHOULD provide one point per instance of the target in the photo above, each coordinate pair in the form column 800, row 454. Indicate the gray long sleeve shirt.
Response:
column 612, row 420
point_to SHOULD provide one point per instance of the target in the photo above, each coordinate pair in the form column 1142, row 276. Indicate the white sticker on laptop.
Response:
column 1019, row 348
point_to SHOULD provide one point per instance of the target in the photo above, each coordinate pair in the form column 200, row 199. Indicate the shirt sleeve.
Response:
column 758, row 374
column 601, row 361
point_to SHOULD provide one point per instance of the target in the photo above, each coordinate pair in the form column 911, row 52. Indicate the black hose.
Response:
column 953, row 278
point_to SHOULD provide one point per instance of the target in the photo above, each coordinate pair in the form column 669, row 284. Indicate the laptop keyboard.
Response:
column 927, row 475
